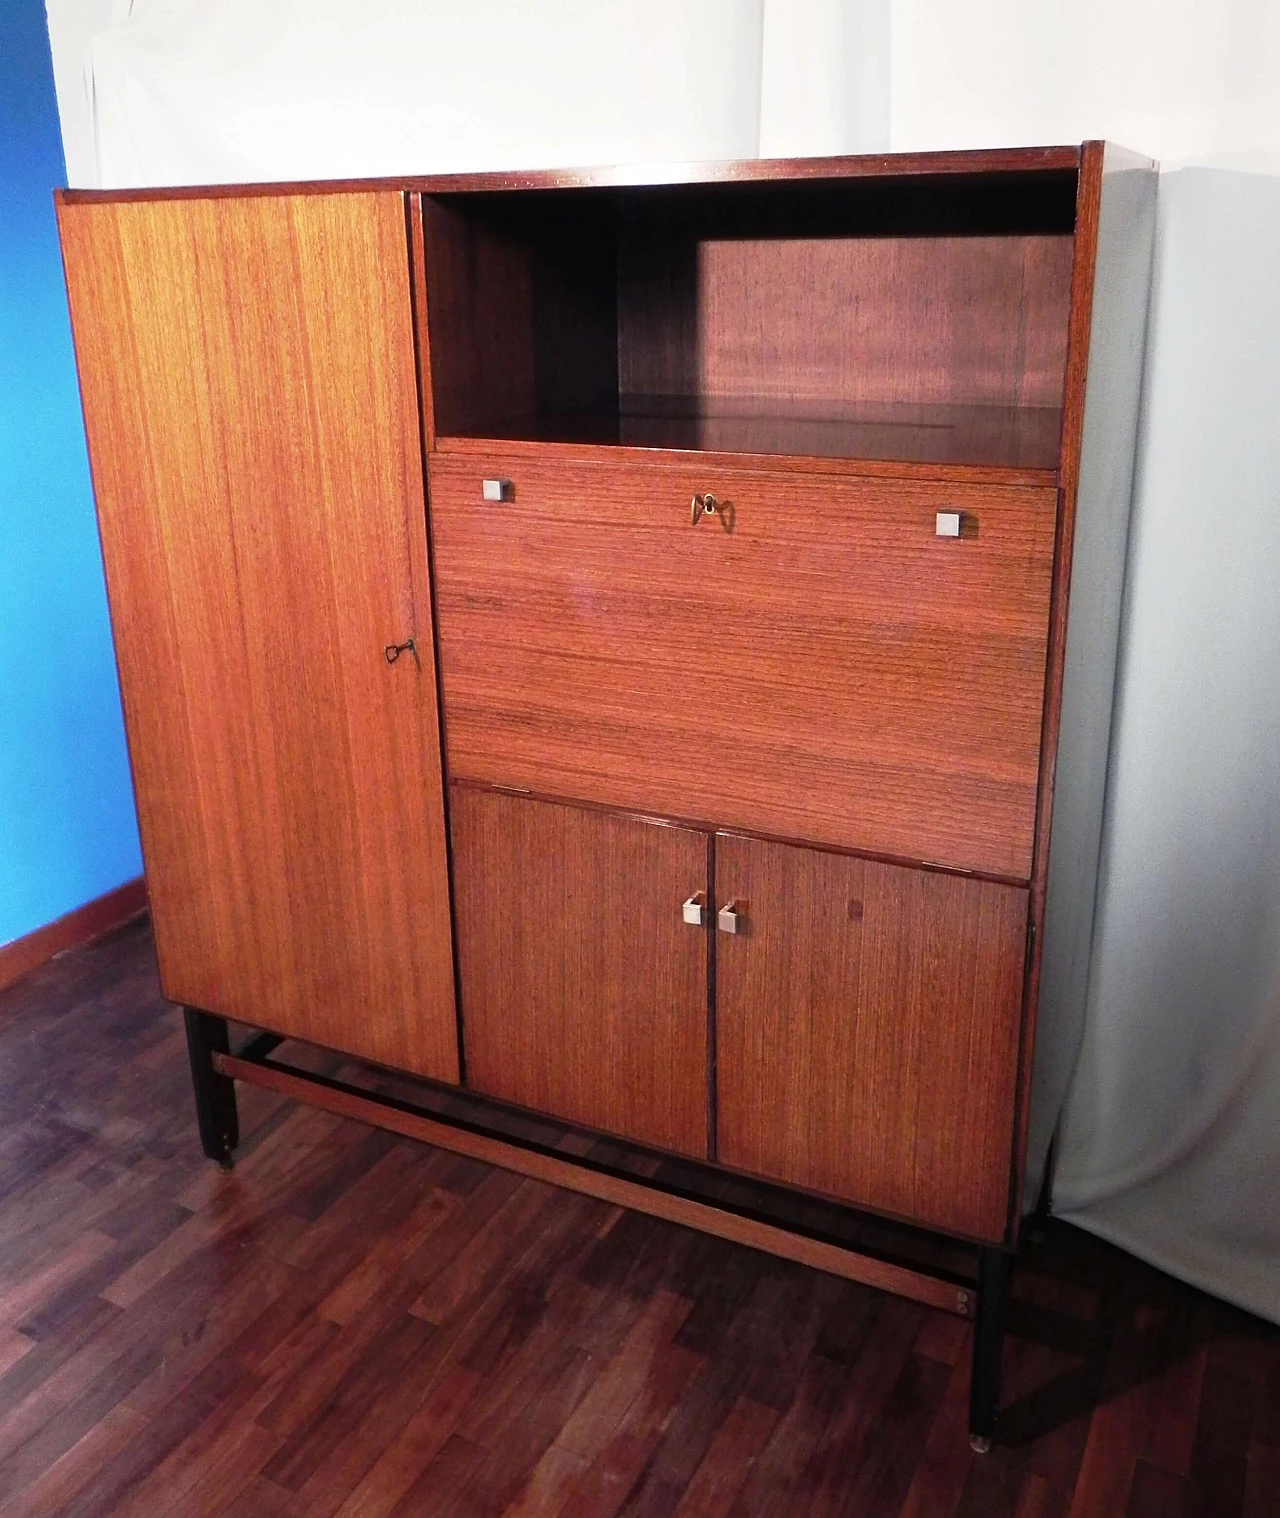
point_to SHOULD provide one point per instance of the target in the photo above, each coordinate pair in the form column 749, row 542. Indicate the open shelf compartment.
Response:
column 920, row 319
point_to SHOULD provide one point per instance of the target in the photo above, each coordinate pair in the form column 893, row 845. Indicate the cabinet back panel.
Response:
column 840, row 327
column 584, row 993
column 250, row 400
column 867, row 1032
column 830, row 670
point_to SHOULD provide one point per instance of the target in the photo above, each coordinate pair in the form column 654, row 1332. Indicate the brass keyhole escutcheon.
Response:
column 708, row 505
column 393, row 651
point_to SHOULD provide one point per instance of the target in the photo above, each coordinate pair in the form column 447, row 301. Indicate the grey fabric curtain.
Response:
column 1170, row 1137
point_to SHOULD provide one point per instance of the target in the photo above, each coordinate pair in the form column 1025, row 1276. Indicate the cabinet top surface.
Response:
column 992, row 161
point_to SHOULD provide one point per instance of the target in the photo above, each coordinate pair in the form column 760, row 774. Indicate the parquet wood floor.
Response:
column 352, row 1324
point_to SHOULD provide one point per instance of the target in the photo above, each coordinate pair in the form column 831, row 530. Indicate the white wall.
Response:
column 372, row 86
column 72, row 26
column 1180, row 80
column 395, row 86
column 206, row 91
column 824, row 84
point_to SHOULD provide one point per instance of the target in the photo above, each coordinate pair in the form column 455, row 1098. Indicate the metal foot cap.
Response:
column 980, row 1444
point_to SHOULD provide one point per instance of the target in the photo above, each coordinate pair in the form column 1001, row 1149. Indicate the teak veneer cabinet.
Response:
column 614, row 645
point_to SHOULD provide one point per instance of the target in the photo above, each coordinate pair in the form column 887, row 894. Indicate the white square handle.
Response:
column 496, row 490
column 948, row 524
column 694, row 911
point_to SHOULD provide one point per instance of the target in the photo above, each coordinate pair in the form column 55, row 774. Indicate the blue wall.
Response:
column 67, row 828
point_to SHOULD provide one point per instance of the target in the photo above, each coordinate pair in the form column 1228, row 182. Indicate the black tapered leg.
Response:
column 215, row 1093
column 995, row 1266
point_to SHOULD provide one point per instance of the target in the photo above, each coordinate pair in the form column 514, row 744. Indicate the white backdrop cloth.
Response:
column 1170, row 1141
column 192, row 92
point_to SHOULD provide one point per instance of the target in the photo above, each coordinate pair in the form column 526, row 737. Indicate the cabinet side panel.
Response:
column 1093, row 577
column 867, row 1031
column 584, row 993
column 250, row 400
column 480, row 309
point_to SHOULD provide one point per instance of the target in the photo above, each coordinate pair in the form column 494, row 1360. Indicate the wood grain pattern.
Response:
column 584, row 994
column 248, row 378
column 867, row 1031
column 799, row 1387
column 830, row 670
column 834, row 325
column 479, row 315
column 586, row 1359
column 522, row 312
column 928, row 470
column 972, row 444
column 888, row 318
column 829, row 1258
column 421, row 324
column 22, row 955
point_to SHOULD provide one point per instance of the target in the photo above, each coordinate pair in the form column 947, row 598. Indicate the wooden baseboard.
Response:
column 82, row 926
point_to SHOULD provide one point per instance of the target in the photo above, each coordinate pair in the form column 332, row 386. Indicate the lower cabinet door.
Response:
column 584, row 989
column 867, row 1031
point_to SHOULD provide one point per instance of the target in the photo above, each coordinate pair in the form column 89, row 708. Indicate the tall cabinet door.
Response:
column 247, row 370
column 867, row 1031
column 584, row 984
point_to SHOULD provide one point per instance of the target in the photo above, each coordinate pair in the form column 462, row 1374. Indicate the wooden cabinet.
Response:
column 867, row 1027
column 772, row 534
column 247, row 369
column 584, row 986
column 865, row 1016
column 809, row 660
